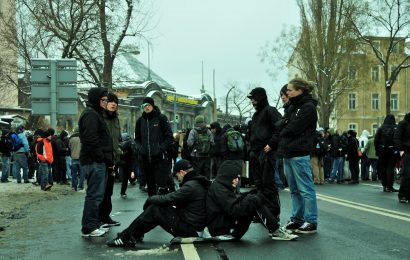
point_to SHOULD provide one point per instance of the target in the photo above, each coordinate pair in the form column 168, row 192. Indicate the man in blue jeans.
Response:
column 76, row 172
column 96, row 151
column 20, row 160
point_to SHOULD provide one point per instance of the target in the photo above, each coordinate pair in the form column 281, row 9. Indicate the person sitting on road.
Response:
column 181, row 213
column 230, row 214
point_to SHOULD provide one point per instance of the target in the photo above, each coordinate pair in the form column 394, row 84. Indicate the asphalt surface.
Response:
column 355, row 222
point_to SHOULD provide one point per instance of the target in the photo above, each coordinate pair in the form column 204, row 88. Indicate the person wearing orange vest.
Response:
column 44, row 153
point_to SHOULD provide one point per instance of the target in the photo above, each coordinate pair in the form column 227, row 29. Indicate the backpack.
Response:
column 6, row 146
column 16, row 141
column 386, row 139
column 234, row 141
column 203, row 142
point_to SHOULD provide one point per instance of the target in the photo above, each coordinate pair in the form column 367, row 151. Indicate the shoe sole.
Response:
column 93, row 235
column 305, row 232
column 285, row 239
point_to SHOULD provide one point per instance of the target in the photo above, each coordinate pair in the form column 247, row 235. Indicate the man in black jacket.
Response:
column 181, row 213
column 96, row 152
column 402, row 142
column 231, row 214
column 153, row 137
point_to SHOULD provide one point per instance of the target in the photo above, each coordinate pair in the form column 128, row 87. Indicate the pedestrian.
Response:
column 6, row 147
column 387, row 152
column 56, row 176
column 402, row 143
column 153, row 136
column 229, row 213
column 337, row 152
column 110, row 115
column 318, row 153
column 44, row 154
column 128, row 166
column 61, row 154
column 353, row 156
column 20, row 156
column 370, row 152
column 364, row 160
column 77, row 174
column 181, row 213
column 296, row 144
column 263, row 139
column 216, row 153
column 95, row 155
column 201, row 142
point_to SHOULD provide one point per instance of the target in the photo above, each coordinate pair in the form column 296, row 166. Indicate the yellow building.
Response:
column 363, row 106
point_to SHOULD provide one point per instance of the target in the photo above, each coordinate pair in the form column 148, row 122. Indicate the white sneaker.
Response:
column 282, row 234
column 96, row 233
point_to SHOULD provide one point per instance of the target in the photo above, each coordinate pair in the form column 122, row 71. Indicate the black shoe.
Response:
column 110, row 223
column 293, row 225
column 307, row 228
column 403, row 200
column 120, row 242
column 393, row 190
column 5, row 181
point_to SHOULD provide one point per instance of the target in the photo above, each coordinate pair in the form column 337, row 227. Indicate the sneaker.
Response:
column 120, row 242
column 110, row 223
column 282, row 234
column 105, row 229
column 292, row 226
column 124, row 196
column 47, row 187
column 96, row 233
column 403, row 200
column 307, row 228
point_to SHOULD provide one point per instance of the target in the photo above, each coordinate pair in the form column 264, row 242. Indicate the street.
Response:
column 355, row 222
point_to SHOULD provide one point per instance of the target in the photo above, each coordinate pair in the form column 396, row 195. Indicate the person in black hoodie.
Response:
column 352, row 156
column 153, row 137
column 181, row 213
column 231, row 214
column 402, row 142
column 296, row 145
column 96, row 153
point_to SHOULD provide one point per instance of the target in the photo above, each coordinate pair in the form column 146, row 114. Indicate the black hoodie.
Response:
column 402, row 134
column 223, row 206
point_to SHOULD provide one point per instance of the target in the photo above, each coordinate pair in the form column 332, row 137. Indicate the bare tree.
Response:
column 389, row 19
column 237, row 102
column 319, row 50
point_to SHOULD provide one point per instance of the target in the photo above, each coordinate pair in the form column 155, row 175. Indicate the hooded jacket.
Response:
column 96, row 143
column 263, row 130
column 385, row 134
column 402, row 134
column 189, row 200
column 223, row 206
column 113, row 125
column 153, row 134
column 297, row 136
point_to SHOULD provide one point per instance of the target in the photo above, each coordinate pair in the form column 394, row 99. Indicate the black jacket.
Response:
column 153, row 135
column 96, row 143
column 402, row 134
column 189, row 200
column 298, row 133
column 223, row 206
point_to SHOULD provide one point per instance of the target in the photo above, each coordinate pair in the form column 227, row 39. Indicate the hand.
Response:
column 132, row 175
column 401, row 153
column 267, row 149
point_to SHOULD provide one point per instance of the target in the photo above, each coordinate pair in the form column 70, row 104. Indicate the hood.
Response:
column 365, row 134
column 228, row 171
column 63, row 134
column 407, row 117
column 389, row 120
column 259, row 94
column 194, row 176
column 94, row 96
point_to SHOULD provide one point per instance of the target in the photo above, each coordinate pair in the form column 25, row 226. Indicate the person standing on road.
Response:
column 110, row 115
column 231, row 214
column 95, row 155
column 5, row 150
column 77, row 175
column 352, row 156
column 181, row 213
column 44, row 153
column 153, row 137
column 402, row 142
column 20, row 156
column 296, row 144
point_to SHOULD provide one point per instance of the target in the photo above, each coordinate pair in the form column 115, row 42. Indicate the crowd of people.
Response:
column 271, row 151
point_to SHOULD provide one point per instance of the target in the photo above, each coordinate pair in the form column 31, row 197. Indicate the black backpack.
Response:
column 387, row 136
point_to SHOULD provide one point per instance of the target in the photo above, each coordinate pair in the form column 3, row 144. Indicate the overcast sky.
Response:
column 226, row 35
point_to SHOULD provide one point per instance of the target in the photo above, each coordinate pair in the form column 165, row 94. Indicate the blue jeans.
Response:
column 44, row 172
column 76, row 173
column 96, row 175
column 337, row 167
column 298, row 173
column 5, row 160
column 68, row 167
column 20, row 161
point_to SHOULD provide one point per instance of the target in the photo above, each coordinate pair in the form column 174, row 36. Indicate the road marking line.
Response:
column 190, row 252
column 363, row 208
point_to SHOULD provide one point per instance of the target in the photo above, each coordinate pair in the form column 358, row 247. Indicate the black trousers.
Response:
column 387, row 161
column 354, row 170
column 157, row 174
column 163, row 216
column 404, row 191
column 105, row 207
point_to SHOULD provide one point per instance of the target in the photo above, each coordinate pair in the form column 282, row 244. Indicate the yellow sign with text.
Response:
column 183, row 100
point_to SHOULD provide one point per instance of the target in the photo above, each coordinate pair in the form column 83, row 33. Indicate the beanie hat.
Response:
column 112, row 97
column 215, row 125
column 44, row 134
column 258, row 94
column 95, row 94
column 51, row 131
column 148, row 100
column 182, row 165
column 228, row 171
column 199, row 119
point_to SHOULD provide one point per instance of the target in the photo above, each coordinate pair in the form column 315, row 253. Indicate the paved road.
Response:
column 355, row 222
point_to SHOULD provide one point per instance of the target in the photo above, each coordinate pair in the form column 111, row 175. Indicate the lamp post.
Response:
column 226, row 103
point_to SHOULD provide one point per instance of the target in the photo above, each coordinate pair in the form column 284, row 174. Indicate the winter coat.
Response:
column 44, row 150
column 189, row 200
column 153, row 135
column 382, row 140
column 75, row 146
column 352, row 149
column 193, row 139
column 369, row 149
column 296, row 137
column 363, row 139
column 223, row 206
column 113, row 125
column 402, row 134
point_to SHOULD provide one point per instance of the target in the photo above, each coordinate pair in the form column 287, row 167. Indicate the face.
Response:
column 235, row 182
column 148, row 109
column 284, row 98
column 254, row 102
column 180, row 176
column 112, row 106
column 103, row 102
column 292, row 92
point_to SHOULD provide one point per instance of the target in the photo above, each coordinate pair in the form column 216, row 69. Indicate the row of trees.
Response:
column 330, row 33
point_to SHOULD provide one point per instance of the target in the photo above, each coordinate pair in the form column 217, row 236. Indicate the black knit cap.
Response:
column 112, row 97
column 182, row 165
column 148, row 100
column 258, row 94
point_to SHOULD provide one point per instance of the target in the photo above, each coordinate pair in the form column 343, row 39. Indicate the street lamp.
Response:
column 226, row 103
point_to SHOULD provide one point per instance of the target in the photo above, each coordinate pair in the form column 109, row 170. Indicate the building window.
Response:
column 352, row 101
column 392, row 68
column 375, row 101
column 394, row 101
column 375, row 73
column 352, row 126
column 374, row 128
column 352, row 73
